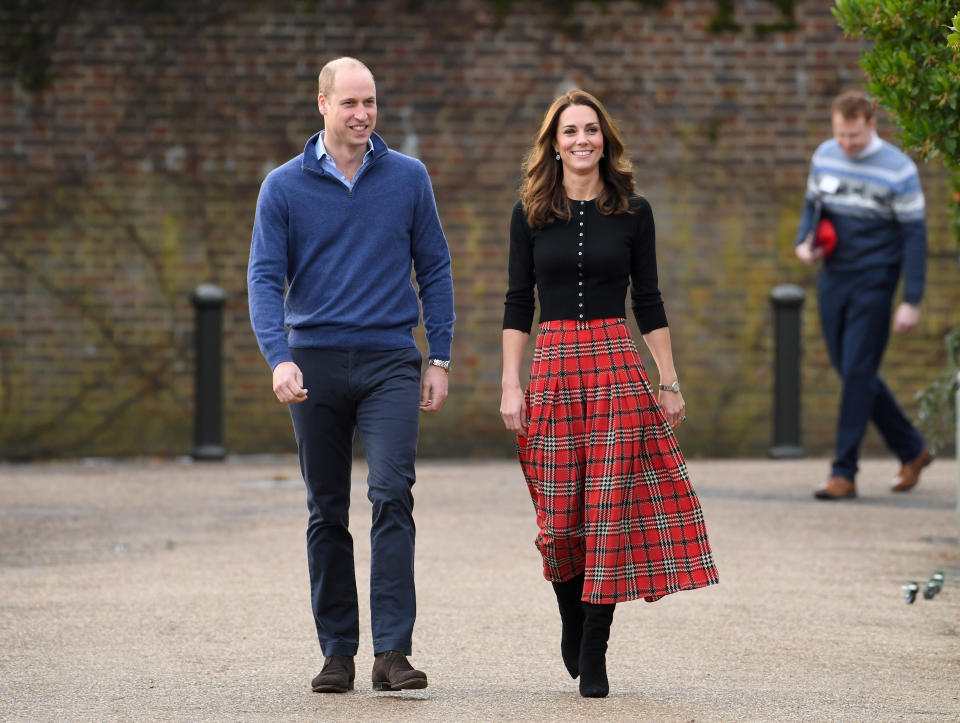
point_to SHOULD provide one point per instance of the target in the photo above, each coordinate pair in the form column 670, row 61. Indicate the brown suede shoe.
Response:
column 836, row 488
column 336, row 676
column 392, row 671
column 909, row 473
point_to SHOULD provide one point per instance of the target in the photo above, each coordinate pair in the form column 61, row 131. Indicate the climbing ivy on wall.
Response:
column 721, row 22
column 29, row 28
column 28, row 31
column 566, row 7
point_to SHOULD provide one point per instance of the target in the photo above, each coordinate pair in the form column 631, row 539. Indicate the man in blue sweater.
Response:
column 339, row 228
column 868, row 195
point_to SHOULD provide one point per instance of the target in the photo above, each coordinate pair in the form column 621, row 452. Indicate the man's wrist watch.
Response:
column 442, row 363
column 675, row 387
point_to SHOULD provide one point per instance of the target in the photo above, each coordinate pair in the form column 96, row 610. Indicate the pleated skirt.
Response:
column 607, row 478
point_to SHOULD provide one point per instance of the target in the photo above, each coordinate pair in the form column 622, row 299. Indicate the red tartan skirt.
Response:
column 608, row 481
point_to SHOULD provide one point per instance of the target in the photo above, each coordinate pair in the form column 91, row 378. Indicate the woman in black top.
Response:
column 618, row 519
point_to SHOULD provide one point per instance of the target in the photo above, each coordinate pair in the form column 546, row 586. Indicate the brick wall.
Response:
column 134, row 179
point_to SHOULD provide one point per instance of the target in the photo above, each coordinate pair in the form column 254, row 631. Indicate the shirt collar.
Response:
column 322, row 149
column 872, row 147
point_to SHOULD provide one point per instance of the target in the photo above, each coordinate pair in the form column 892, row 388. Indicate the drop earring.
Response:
column 558, row 156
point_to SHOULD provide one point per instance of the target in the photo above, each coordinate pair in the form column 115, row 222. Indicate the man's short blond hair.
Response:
column 853, row 104
column 328, row 72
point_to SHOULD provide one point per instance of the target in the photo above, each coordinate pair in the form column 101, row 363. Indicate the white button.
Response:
column 579, row 253
column 581, row 316
column 581, row 233
column 580, row 305
column 581, row 223
column 580, row 282
column 580, row 294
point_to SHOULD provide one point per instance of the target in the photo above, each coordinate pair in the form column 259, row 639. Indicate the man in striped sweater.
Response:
column 868, row 194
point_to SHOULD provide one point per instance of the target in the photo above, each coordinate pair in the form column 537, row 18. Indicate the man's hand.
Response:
column 433, row 389
column 288, row 383
column 905, row 318
column 807, row 252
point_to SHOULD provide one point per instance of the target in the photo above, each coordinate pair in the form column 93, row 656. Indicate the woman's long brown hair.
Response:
column 542, row 193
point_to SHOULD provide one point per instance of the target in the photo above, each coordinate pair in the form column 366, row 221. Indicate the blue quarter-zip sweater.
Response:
column 345, row 256
column 876, row 205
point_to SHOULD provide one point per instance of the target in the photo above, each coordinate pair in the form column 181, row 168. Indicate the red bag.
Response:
column 825, row 237
column 824, row 234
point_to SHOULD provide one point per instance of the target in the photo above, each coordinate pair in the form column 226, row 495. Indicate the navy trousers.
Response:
column 377, row 394
column 855, row 310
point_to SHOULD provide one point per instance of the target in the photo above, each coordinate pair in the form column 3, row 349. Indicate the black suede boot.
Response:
column 571, row 616
column 593, row 650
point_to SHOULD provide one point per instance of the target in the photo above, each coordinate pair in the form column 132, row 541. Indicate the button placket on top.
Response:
column 580, row 239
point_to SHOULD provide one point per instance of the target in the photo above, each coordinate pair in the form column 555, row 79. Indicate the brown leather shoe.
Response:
column 909, row 473
column 392, row 671
column 336, row 676
column 836, row 488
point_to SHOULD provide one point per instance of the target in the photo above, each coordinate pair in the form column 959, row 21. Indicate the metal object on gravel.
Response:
column 934, row 585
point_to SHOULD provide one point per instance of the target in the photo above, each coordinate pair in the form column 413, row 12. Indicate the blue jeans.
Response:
column 855, row 309
column 377, row 394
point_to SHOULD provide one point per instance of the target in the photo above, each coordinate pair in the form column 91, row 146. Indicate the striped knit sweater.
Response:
column 876, row 205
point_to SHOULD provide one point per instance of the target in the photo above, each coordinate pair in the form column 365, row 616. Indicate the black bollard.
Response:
column 208, row 301
column 787, row 300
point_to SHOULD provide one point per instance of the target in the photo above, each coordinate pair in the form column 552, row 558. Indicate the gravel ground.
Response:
column 167, row 590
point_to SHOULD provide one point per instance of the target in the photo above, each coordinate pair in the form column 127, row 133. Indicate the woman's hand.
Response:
column 658, row 342
column 673, row 407
column 513, row 409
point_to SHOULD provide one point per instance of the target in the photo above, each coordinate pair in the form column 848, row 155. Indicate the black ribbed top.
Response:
column 582, row 268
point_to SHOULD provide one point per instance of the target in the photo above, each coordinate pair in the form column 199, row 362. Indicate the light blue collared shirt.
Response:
column 330, row 166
